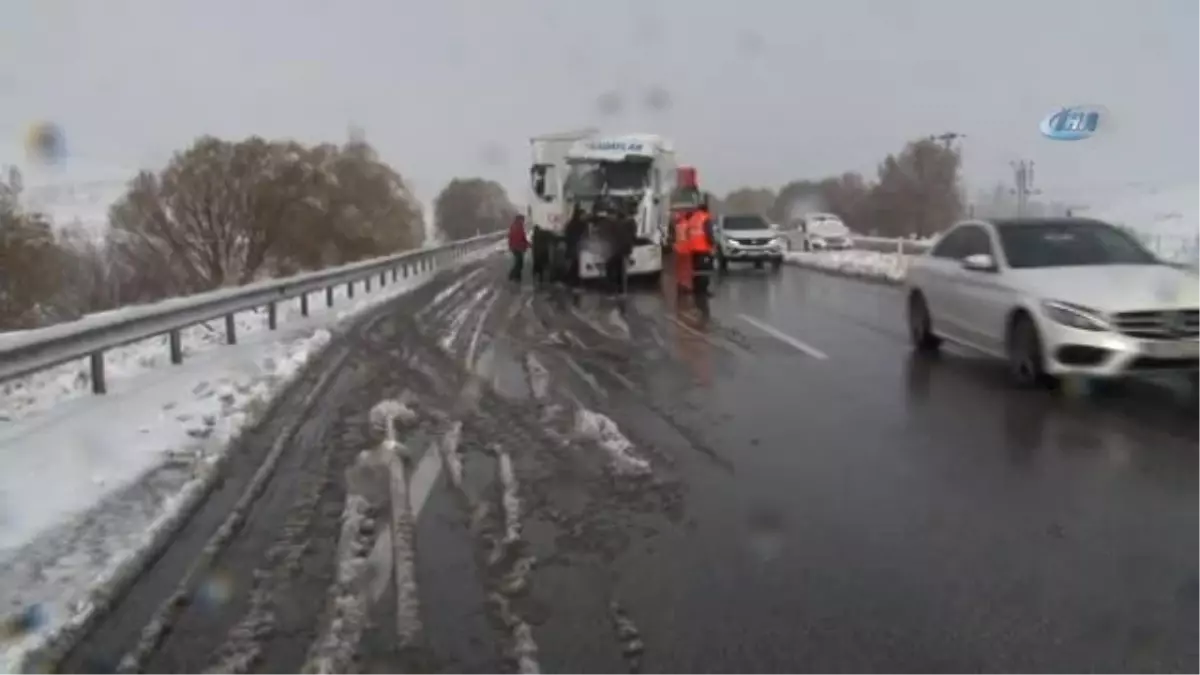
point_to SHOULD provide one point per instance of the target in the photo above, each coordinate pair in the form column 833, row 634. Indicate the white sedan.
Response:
column 1055, row 297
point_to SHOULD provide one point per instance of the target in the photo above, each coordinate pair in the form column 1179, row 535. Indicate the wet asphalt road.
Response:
column 778, row 486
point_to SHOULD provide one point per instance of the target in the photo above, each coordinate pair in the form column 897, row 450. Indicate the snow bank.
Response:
column 602, row 430
column 88, row 483
column 39, row 392
column 890, row 267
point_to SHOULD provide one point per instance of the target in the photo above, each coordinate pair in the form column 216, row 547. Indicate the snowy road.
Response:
column 778, row 487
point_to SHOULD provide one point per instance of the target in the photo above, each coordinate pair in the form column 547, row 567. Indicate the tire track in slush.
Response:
column 557, row 431
column 440, row 353
column 161, row 641
column 496, row 523
column 408, row 477
column 257, row 627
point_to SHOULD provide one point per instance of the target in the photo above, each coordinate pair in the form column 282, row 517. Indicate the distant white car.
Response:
column 1055, row 297
column 826, row 232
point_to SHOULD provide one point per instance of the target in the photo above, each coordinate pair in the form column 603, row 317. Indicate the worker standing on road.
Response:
column 517, row 245
column 702, row 248
column 622, row 239
column 693, row 250
column 541, row 254
column 683, row 253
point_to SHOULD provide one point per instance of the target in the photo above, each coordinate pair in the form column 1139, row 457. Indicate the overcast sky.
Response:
column 756, row 91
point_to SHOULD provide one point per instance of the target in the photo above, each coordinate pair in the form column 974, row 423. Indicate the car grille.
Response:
column 753, row 242
column 1159, row 325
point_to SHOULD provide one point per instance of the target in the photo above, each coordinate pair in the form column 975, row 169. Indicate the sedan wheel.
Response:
column 1025, row 359
column 920, row 325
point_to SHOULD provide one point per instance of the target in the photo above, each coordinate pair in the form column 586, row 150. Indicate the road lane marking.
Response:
column 784, row 337
column 701, row 334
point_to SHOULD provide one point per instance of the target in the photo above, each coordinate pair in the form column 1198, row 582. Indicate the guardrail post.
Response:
column 350, row 289
column 329, row 297
column 272, row 317
column 304, row 304
column 395, row 273
column 383, row 279
column 230, row 330
column 366, row 284
column 176, row 347
column 97, row 363
column 404, row 270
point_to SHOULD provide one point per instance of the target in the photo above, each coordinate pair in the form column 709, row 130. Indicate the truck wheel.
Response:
column 758, row 264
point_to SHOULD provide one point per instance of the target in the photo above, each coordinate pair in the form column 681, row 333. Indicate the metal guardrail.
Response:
column 880, row 244
column 890, row 245
column 25, row 352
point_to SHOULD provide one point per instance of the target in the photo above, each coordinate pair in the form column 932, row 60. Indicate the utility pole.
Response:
column 1023, row 180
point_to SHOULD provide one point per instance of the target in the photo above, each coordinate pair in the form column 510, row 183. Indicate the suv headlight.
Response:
column 1075, row 316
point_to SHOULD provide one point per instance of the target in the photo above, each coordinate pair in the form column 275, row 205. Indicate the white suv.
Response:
column 748, row 238
column 1055, row 297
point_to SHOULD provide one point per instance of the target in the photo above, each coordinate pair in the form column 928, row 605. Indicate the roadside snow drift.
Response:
column 89, row 482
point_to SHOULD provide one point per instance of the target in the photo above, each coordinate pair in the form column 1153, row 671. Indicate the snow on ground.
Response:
column 87, row 482
column 34, row 394
column 868, row 264
column 1167, row 221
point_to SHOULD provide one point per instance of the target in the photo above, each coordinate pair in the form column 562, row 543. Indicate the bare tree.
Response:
column 467, row 207
column 749, row 200
column 30, row 261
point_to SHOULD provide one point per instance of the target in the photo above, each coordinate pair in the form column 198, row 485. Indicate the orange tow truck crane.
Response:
column 684, row 200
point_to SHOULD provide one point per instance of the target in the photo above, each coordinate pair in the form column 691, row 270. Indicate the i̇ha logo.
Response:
column 1073, row 123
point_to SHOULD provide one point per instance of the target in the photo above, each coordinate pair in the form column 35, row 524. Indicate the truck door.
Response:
column 543, row 185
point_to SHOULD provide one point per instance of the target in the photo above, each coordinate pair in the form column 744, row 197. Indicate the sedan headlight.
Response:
column 1075, row 316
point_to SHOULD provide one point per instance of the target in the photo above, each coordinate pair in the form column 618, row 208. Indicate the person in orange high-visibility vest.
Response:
column 683, row 253
column 700, row 247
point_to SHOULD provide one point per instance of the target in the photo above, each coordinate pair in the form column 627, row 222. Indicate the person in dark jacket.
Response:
column 573, row 235
column 541, row 253
column 622, row 239
column 517, row 245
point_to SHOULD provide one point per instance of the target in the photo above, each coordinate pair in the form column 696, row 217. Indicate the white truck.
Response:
column 547, row 208
column 603, row 180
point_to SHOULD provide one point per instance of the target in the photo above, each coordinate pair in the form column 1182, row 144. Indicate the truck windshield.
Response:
column 593, row 178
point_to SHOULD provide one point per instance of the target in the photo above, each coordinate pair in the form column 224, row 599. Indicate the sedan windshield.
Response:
column 1070, row 244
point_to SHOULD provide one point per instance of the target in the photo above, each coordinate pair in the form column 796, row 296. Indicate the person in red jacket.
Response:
column 518, row 243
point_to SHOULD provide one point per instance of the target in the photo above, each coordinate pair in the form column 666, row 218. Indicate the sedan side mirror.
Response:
column 979, row 262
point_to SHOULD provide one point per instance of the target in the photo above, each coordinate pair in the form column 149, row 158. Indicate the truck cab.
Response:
column 615, row 181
